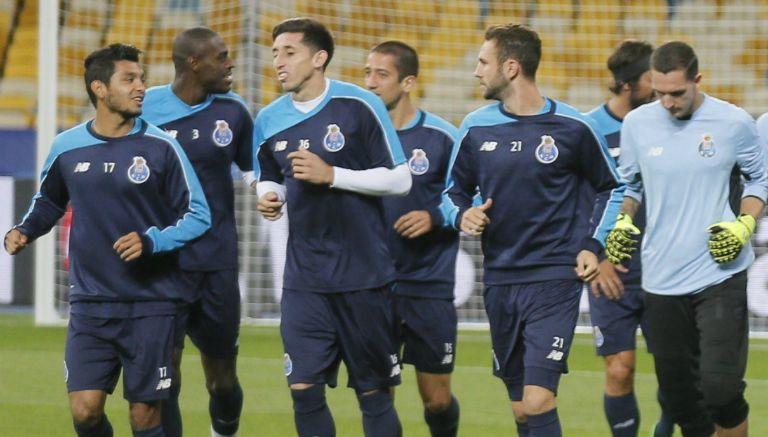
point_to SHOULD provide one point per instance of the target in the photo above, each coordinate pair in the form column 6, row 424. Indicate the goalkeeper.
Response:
column 680, row 151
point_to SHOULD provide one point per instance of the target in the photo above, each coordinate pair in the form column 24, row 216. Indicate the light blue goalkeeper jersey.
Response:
column 762, row 127
column 683, row 167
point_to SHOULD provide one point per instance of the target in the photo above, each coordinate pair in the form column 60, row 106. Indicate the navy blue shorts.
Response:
column 213, row 321
column 321, row 329
column 426, row 330
column 532, row 331
column 615, row 322
column 97, row 349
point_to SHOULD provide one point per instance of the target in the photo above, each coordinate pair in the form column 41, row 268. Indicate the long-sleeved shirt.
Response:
column 533, row 168
column 610, row 126
column 425, row 265
column 139, row 182
column 336, row 238
column 683, row 167
column 214, row 134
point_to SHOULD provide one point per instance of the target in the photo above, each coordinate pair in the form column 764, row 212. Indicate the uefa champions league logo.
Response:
column 138, row 173
column 546, row 152
column 334, row 139
column 419, row 164
column 707, row 146
column 222, row 135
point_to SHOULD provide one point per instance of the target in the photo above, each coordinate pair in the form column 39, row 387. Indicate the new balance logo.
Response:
column 82, row 167
column 555, row 356
column 656, row 151
column 164, row 384
column 447, row 359
column 173, row 133
column 625, row 424
column 488, row 146
column 281, row 145
column 395, row 366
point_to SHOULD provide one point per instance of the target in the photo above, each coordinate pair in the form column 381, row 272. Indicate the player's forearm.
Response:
column 41, row 217
column 753, row 206
column 378, row 181
column 629, row 206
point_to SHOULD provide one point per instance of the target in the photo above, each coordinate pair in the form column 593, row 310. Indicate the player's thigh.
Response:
column 91, row 359
column 429, row 333
column 215, row 324
column 551, row 313
column 147, row 358
column 721, row 317
column 671, row 327
column 309, row 340
column 615, row 322
column 506, row 323
column 434, row 388
column 365, row 326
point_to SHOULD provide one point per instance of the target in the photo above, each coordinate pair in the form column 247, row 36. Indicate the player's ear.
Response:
column 193, row 63
column 510, row 68
column 319, row 58
column 407, row 83
column 697, row 78
column 99, row 89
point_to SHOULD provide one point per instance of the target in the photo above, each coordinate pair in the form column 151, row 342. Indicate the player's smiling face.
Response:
column 295, row 62
column 215, row 66
column 489, row 72
column 125, row 93
column 676, row 93
column 383, row 79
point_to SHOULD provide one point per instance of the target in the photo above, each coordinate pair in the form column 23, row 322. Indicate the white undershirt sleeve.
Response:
column 379, row 181
column 265, row 187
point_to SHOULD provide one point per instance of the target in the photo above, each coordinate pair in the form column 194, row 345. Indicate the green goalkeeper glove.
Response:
column 727, row 238
column 620, row 243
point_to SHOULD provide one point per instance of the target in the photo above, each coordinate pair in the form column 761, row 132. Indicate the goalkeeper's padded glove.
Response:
column 727, row 238
column 622, row 239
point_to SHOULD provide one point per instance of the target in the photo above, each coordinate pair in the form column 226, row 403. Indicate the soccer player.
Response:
column 328, row 150
column 135, row 199
column 215, row 129
column 678, row 153
column 423, row 249
column 529, row 156
column 616, row 315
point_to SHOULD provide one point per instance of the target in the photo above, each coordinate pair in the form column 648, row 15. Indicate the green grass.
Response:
column 33, row 400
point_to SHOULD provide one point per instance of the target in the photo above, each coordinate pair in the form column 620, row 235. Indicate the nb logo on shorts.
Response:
column 164, row 384
column 447, row 359
column 555, row 356
column 395, row 366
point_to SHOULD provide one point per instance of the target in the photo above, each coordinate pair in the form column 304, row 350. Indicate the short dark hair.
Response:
column 518, row 42
column 100, row 65
column 316, row 35
column 629, row 61
column 406, row 59
column 190, row 43
column 675, row 55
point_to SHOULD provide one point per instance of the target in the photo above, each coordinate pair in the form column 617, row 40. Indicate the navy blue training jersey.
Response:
column 609, row 125
column 336, row 238
column 426, row 266
column 140, row 182
column 214, row 134
column 532, row 167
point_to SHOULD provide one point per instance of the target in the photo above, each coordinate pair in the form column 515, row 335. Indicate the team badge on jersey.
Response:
column 334, row 139
column 546, row 152
column 287, row 365
column 707, row 146
column 222, row 135
column 138, row 172
column 419, row 163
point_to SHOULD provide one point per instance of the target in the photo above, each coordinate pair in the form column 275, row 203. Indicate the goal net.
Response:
column 578, row 36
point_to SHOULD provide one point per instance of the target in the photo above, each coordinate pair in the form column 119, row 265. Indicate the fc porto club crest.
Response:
column 546, row 152
column 334, row 139
column 419, row 163
column 222, row 135
column 138, row 172
column 707, row 146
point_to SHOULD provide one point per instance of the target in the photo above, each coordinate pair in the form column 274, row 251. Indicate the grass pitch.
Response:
column 33, row 400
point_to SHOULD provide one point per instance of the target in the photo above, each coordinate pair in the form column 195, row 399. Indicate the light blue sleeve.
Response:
column 182, row 185
column 629, row 167
column 762, row 127
column 750, row 156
